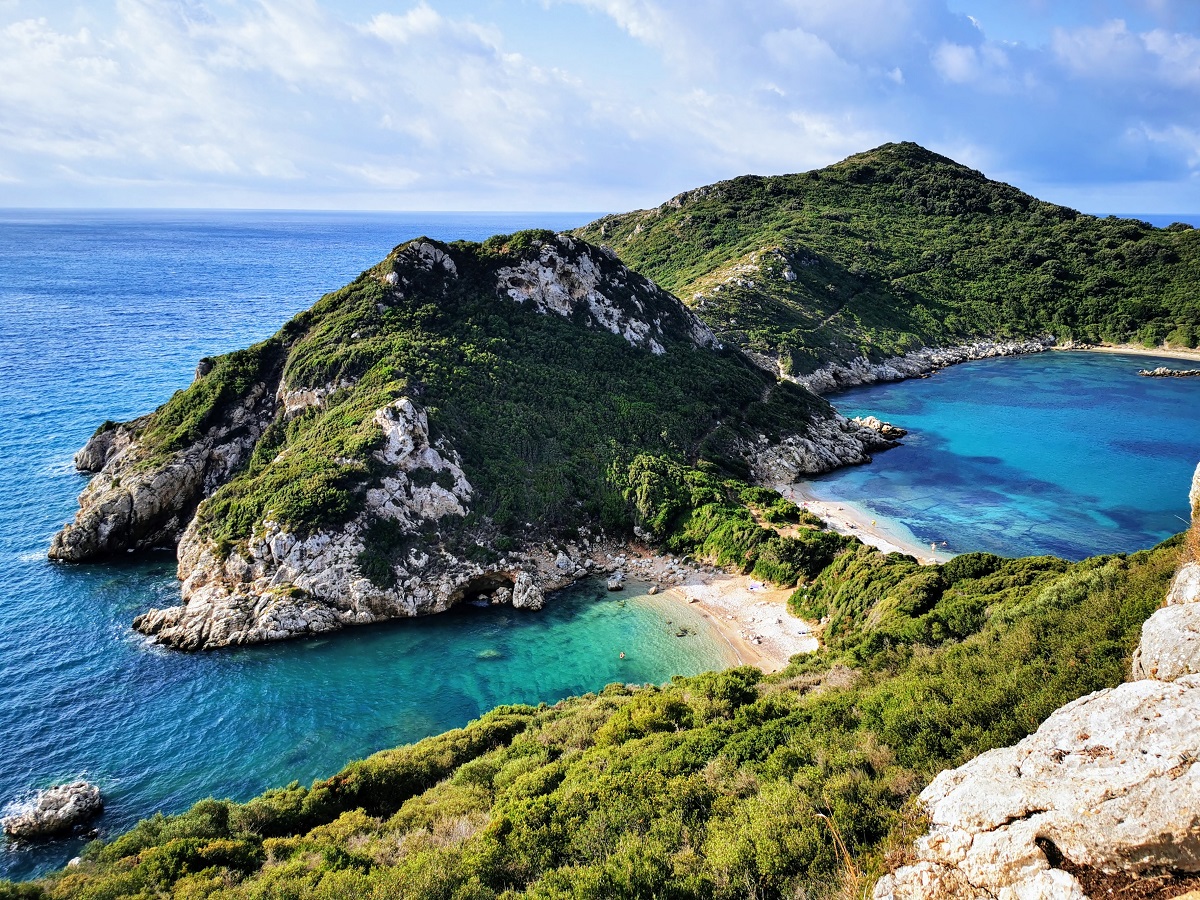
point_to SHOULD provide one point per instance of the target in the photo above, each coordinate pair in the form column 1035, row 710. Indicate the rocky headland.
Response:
column 303, row 497
column 1104, row 793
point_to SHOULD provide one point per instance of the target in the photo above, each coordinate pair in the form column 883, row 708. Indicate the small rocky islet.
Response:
column 431, row 434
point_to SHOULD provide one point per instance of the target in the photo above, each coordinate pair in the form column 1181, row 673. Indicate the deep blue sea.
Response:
column 102, row 316
column 1071, row 454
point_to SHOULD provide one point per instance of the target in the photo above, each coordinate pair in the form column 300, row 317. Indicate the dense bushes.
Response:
column 725, row 785
column 725, row 522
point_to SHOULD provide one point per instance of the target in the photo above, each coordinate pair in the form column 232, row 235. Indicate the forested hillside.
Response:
column 898, row 248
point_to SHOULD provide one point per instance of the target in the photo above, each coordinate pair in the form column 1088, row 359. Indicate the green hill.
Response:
column 442, row 428
column 899, row 248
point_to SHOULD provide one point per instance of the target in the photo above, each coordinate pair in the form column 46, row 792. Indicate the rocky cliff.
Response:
column 433, row 432
column 1104, row 793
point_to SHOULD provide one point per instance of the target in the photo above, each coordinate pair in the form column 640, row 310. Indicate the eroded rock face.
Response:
column 566, row 279
column 1109, row 780
column 284, row 585
column 829, row 444
column 840, row 376
column 54, row 811
column 137, row 503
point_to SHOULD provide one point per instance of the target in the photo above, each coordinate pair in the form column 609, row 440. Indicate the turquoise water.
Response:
column 103, row 315
column 1071, row 454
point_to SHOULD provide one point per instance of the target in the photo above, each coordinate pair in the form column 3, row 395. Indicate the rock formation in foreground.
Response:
column 1108, row 782
column 54, row 811
column 438, row 430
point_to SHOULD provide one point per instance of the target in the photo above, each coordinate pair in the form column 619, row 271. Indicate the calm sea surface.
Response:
column 1070, row 454
column 102, row 316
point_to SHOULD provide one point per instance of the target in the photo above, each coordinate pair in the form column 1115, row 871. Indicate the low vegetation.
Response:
column 899, row 248
column 725, row 785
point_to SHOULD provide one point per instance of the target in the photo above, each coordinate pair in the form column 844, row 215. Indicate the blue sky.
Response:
column 584, row 104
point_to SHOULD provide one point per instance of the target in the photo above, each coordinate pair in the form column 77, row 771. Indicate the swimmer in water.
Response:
column 622, row 654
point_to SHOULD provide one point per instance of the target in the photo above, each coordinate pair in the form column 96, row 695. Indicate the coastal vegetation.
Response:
column 731, row 784
column 724, row 785
column 516, row 392
column 899, row 248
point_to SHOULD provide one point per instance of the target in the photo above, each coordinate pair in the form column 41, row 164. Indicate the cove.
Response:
column 102, row 316
column 1063, row 453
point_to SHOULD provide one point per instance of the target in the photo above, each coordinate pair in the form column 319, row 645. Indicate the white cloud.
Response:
column 410, row 105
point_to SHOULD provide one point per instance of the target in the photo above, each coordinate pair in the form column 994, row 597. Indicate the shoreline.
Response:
column 1135, row 350
column 750, row 617
column 848, row 518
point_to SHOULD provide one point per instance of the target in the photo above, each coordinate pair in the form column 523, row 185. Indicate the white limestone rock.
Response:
column 53, row 811
column 1109, row 780
column 828, row 444
column 285, row 585
column 839, row 376
column 131, row 504
column 566, row 278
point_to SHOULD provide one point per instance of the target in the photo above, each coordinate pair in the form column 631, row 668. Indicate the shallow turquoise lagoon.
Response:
column 103, row 315
column 1066, row 453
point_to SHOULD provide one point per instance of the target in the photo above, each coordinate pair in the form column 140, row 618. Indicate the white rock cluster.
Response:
column 566, row 278
column 54, row 811
column 839, row 376
column 285, row 585
column 1109, row 780
column 131, row 506
column 828, row 444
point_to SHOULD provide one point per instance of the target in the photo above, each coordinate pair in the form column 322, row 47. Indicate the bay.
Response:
column 102, row 316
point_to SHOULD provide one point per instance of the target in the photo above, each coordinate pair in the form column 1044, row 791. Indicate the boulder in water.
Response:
column 54, row 811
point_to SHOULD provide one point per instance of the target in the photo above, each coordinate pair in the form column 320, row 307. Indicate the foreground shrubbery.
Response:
column 724, row 785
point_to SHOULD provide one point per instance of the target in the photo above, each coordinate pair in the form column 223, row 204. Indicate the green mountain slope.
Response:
column 899, row 248
column 724, row 785
column 438, row 429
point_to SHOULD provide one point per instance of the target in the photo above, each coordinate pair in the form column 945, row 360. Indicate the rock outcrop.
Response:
column 827, row 445
column 1108, row 782
column 885, row 429
column 54, row 811
column 838, row 376
column 284, row 585
column 1164, row 372
column 569, row 278
column 137, row 501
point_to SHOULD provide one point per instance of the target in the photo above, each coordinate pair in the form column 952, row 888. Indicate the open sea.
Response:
column 104, row 314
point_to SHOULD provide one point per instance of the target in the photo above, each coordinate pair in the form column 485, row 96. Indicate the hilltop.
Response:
column 897, row 249
column 462, row 420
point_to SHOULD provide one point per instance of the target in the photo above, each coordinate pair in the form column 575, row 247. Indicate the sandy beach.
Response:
column 1135, row 350
column 851, row 519
column 751, row 617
